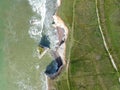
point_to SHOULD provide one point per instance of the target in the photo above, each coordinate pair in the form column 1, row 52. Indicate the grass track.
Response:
column 90, row 67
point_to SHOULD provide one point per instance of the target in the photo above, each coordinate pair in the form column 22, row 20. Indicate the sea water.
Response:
column 41, row 21
column 20, row 68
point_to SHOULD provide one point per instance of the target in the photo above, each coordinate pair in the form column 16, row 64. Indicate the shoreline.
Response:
column 49, row 17
column 62, row 48
column 59, row 54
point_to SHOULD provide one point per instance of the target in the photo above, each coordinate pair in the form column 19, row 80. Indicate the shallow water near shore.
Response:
column 20, row 68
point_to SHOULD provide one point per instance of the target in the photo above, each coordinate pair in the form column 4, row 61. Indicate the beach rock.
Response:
column 53, row 69
column 44, row 42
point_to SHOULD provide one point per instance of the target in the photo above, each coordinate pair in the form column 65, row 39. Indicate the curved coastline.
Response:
column 60, row 50
column 54, row 29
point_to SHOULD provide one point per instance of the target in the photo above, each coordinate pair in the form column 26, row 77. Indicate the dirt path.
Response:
column 100, row 18
column 71, row 44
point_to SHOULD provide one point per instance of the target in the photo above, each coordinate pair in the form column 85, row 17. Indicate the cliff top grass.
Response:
column 90, row 67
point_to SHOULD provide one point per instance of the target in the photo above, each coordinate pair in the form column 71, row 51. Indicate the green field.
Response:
column 90, row 67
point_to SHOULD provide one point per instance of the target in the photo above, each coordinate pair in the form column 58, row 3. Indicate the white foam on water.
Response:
column 24, row 86
column 53, row 38
column 35, row 32
column 35, row 21
column 44, row 10
column 43, row 18
column 44, row 84
column 37, row 67
column 38, row 6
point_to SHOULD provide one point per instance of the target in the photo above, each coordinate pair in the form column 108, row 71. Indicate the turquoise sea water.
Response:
column 20, row 69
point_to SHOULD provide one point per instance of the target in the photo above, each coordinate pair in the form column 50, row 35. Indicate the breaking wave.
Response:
column 41, row 22
column 37, row 21
column 36, row 29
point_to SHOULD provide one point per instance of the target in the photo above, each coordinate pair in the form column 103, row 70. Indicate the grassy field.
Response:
column 90, row 67
column 112, row 14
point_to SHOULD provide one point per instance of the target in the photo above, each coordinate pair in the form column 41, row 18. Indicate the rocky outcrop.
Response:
column 54, row 68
